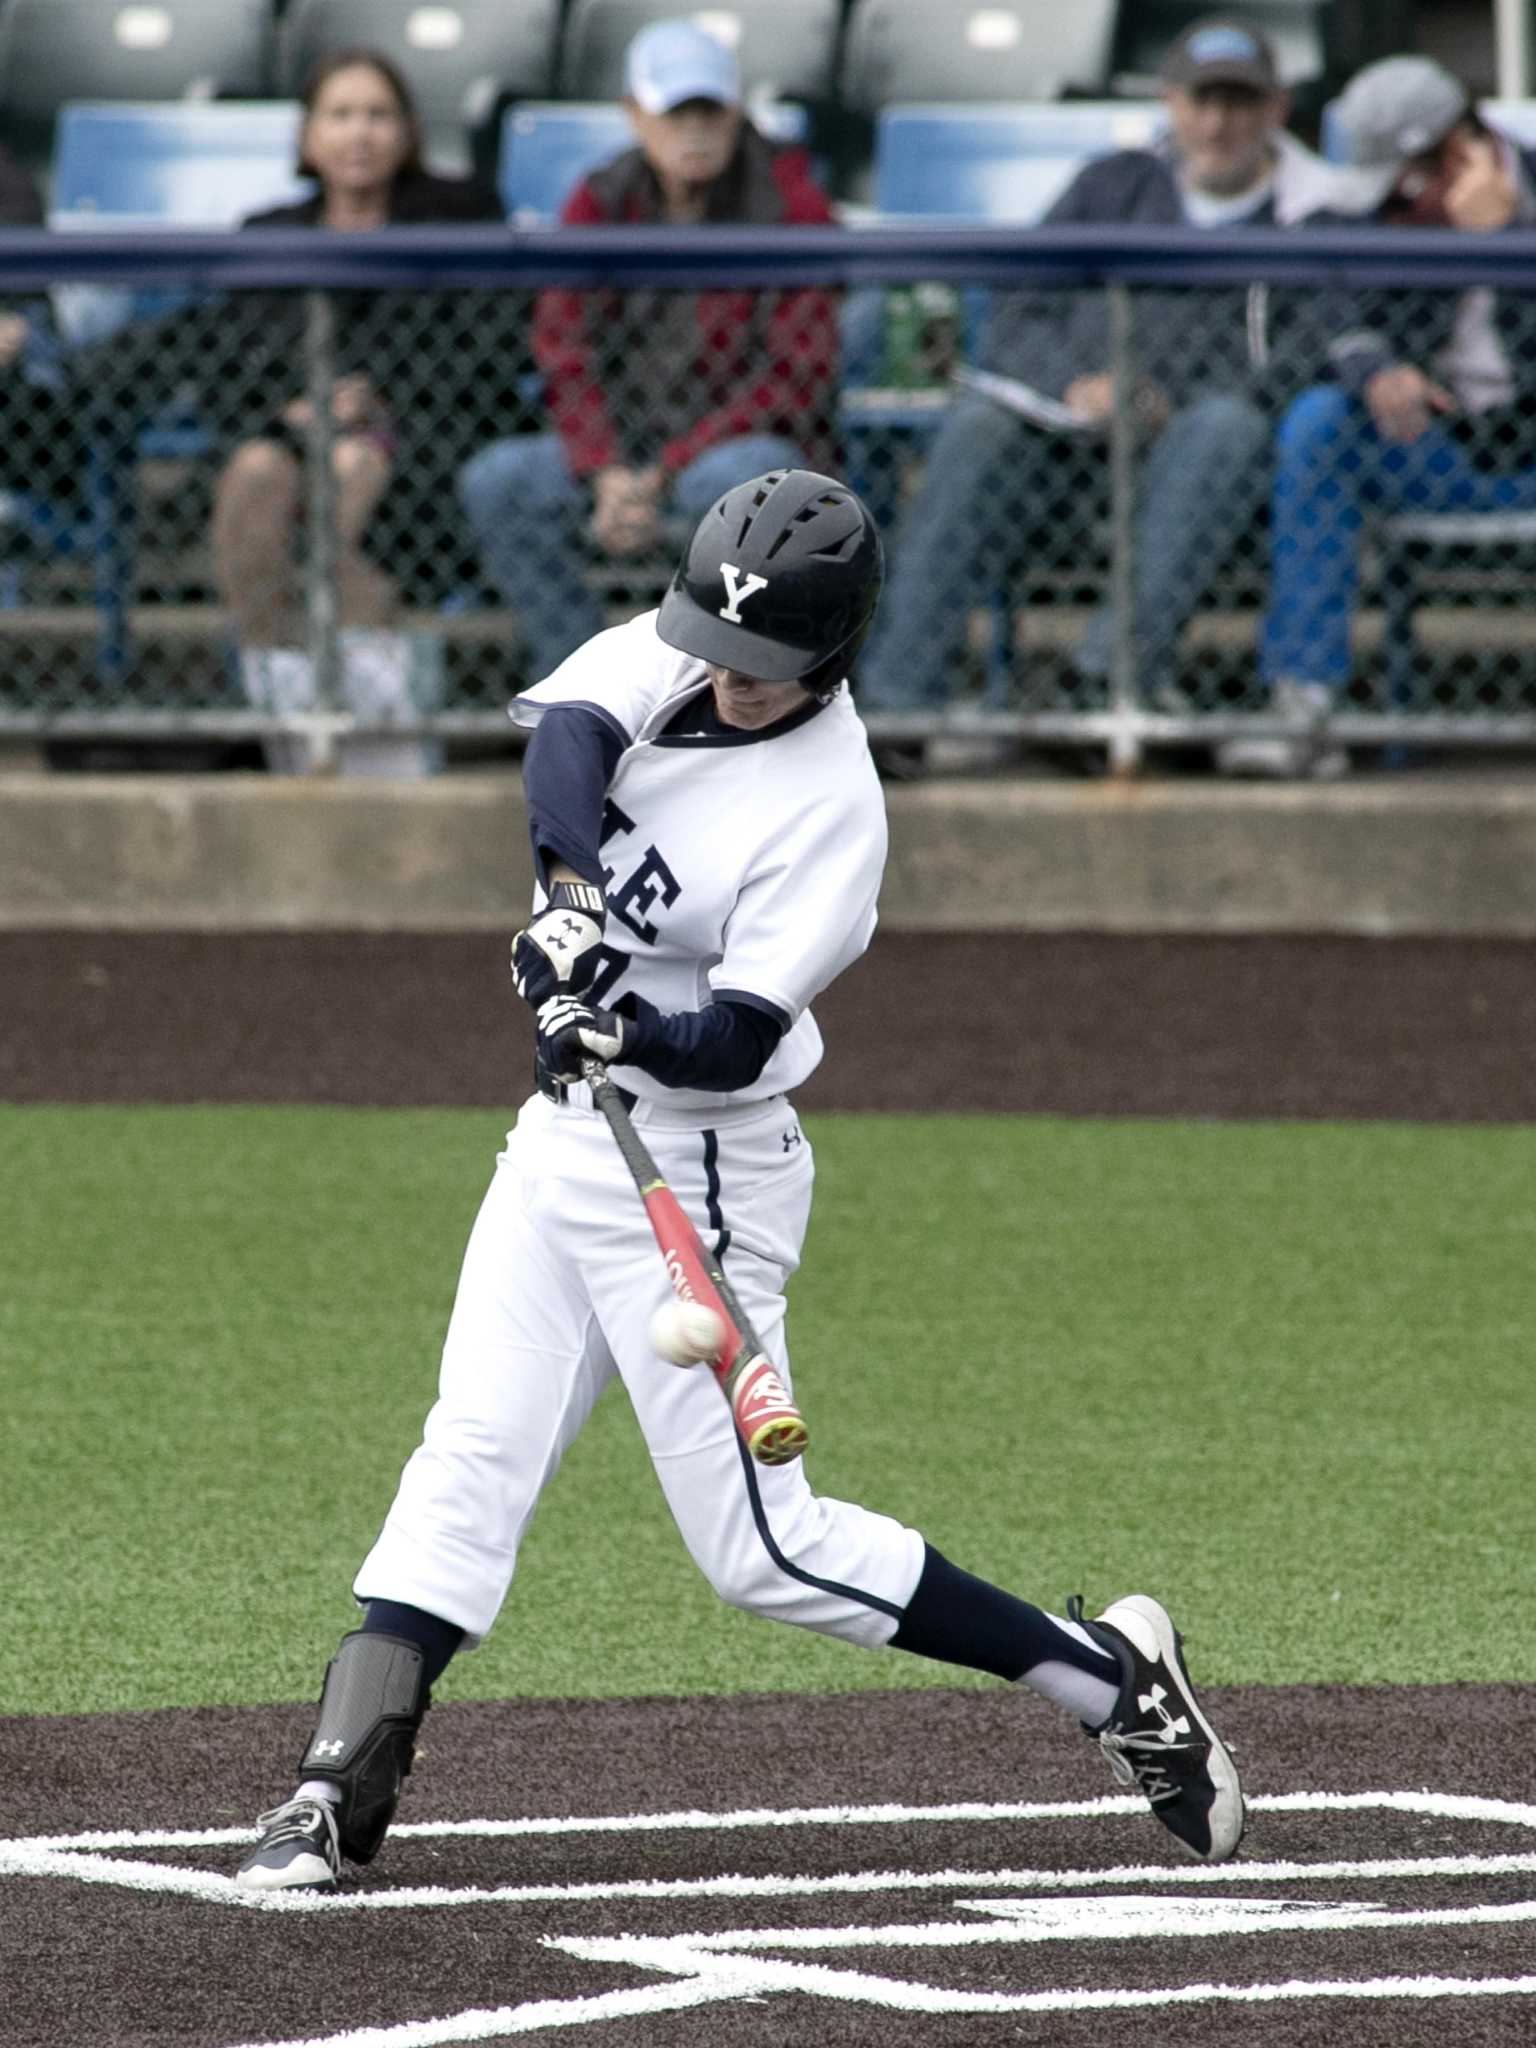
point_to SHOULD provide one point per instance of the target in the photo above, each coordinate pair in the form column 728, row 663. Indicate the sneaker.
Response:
column 1157, row 1739
column 1273, row 758
column 298, row 1850
column 1305, row 754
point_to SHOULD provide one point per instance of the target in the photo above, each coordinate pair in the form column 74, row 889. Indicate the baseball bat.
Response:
column 767, row 1420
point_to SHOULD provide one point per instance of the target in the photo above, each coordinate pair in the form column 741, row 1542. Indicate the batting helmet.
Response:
column 779, row 581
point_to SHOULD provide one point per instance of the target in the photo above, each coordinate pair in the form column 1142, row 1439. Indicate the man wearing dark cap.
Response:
column 1433, row 404
column 1215, row 369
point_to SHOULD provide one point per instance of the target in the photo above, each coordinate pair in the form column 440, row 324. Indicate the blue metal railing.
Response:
column 444, row 259
column 488, row 258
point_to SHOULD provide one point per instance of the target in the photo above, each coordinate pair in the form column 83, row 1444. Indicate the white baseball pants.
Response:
column 560, row 1278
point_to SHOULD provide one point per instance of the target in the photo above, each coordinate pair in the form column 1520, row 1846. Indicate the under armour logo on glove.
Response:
column 570, row 1031
column 558, row 951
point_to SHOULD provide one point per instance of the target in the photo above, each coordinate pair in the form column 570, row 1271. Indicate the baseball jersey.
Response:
column 738, row 866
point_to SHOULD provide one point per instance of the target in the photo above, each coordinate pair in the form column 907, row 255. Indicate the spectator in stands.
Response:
column 404, row 415
column 40, row 447
column 1215, row 371
column 660, row 400
column 1433, row 403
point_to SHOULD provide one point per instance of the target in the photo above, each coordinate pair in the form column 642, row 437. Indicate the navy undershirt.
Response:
column 567, row 768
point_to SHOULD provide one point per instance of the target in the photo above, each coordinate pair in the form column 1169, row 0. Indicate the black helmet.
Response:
column 779, row 581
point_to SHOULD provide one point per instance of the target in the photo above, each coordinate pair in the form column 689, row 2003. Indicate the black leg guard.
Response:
column 371, row 1705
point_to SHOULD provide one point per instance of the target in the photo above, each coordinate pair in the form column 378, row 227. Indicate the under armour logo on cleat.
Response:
column 1152, row 1703
column 328, row 1748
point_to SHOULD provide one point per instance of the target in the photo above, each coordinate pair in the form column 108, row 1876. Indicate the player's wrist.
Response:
column 581, row 898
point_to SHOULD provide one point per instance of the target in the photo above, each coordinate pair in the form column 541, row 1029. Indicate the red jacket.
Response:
column 620, row 388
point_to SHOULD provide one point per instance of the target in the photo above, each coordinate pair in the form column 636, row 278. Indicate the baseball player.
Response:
column 709, row 836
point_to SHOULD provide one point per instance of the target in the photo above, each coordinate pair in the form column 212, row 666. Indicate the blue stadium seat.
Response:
column 178, row 163
column 462, row 58
column 927, row 50
column 996, row 163
column 787, row 48
column 173, row 163
column 54, row 51
column 546, row 146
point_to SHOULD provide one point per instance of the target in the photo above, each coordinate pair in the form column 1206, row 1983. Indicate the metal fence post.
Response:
column 1124, row 741
column 321, row 606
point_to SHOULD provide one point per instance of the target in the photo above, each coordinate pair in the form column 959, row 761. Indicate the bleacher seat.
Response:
column 162, row 165
column 52, row 51
column 461, row 58
column 1293, row 27
column 128, row 168
column 786, row 48
column 926, row 50
column 996, row 163
column 546, row 146
column 175, row 163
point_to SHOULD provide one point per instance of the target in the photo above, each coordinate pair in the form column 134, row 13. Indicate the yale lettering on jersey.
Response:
column 634, row 897
column 738, row 588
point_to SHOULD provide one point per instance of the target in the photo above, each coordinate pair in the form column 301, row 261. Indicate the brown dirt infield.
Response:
column 1072, row 1023
column 1181, row 1027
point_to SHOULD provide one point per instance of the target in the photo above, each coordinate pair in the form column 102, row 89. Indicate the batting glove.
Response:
column 570, row 1031
column 557, row 953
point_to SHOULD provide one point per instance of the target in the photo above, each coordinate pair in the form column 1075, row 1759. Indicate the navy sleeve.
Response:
column 722, row 1047
column 566, row 772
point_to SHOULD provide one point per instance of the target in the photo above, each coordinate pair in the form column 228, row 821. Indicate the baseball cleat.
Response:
column 1157, row 1739
column 298, row 1850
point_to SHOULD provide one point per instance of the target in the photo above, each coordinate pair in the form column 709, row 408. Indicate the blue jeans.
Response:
column 1331, row 465
column 990, row 476
column 526, row 509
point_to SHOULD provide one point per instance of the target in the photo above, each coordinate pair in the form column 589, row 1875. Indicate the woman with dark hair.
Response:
column 399, row 418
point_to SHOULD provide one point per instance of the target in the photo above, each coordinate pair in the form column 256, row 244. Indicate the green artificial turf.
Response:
column 1279, row 1375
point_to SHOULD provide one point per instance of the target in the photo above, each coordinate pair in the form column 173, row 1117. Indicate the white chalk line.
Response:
column 753, row 1980
column 82, row 1858
column 1156, row 1919
column 708, row 1968
column 1432, row 1805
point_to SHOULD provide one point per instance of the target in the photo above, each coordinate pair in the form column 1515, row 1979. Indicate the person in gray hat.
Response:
column 1217, row 372
column 1432, row 407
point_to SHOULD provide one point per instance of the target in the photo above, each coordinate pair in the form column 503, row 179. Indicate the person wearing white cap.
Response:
column 1432, row 407
column 661, row 401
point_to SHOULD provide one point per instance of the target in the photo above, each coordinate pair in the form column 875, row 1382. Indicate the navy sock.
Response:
column 437, row 1640
column 958, row 1619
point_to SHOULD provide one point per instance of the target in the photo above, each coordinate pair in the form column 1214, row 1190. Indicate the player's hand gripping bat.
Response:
column 770, row 1425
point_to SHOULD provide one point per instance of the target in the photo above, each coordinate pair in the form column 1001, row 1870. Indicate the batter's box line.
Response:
column 85, row 1859
column 1435, row 1805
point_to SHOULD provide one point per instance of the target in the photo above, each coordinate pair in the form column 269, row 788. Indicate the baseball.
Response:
column 686, row 1331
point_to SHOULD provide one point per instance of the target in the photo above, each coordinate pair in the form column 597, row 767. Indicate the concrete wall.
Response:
column 1385, row 855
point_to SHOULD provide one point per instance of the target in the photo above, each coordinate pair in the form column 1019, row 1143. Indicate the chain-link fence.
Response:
column 1132, row 495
